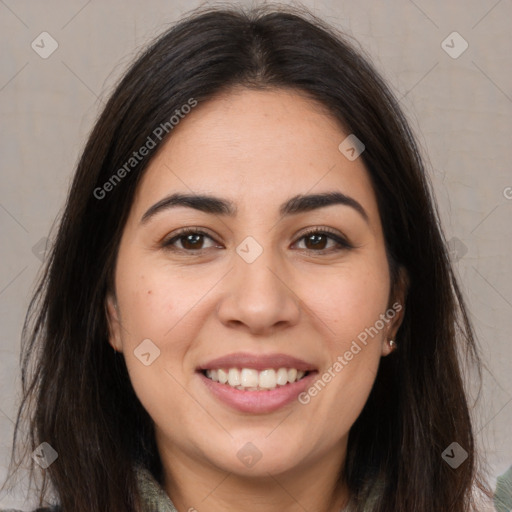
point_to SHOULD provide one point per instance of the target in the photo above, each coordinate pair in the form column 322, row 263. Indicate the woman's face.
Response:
column 252, row 297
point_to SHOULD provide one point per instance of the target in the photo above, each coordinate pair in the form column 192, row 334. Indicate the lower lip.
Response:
column 258, row 401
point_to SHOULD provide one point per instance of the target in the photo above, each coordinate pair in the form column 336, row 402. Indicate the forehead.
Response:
column 256, row 148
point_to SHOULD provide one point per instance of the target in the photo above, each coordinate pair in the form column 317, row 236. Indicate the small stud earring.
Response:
column 392, row 345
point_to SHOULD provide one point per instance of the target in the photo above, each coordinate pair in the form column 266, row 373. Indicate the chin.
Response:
column 256, row 456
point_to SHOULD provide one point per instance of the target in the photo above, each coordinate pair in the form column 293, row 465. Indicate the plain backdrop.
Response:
column 459, row 104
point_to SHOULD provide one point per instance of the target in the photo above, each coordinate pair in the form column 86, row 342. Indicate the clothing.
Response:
column 155, row 499
column 153, row 496
column 503, row 494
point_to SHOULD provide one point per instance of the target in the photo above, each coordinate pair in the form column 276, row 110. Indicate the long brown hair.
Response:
column 77, row 394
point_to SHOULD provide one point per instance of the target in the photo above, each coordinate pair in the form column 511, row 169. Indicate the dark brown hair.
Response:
column 77, row 393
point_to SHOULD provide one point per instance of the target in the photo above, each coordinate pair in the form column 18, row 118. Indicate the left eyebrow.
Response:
column 219, row 206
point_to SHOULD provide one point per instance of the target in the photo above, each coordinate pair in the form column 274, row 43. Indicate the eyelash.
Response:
column 342, row 244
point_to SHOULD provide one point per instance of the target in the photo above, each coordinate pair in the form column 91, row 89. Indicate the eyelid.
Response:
column 341, row 241
column 175, row 235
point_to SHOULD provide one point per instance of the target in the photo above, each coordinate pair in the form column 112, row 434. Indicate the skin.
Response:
column 257, row 149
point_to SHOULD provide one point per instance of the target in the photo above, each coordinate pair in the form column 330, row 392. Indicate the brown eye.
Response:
column 190, row 240
column 317, row 239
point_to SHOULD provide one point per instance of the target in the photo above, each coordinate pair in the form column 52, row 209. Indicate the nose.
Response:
column 259, row 296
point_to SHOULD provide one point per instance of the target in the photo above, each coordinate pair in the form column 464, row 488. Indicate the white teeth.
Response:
column 282, row 376
column 223, row 376
column 248, row 379
column 268, row 379
column 292, row 375
column 234, row 377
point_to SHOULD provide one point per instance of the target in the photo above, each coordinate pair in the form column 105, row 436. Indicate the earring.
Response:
column 392, row 345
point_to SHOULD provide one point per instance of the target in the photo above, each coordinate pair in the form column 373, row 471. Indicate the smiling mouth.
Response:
column 249, row 379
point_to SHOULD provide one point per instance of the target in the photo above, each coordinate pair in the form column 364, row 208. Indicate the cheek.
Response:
column 154, row 302
column 348, row 300
column 349, row 303
column 153, row 310
column 164, row 306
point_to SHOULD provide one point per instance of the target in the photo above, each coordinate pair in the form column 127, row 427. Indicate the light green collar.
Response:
column 154, row 498
column 503, row 494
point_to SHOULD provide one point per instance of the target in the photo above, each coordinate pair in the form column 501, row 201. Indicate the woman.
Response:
column 249, row 303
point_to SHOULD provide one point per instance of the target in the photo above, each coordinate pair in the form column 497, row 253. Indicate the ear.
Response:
column 114, row 323
column 396, row 310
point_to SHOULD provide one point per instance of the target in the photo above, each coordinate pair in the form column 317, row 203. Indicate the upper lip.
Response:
column 257, row 362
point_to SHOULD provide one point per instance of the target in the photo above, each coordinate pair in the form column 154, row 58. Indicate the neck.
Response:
column 195, row 485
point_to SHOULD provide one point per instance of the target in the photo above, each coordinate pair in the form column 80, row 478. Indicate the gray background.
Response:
column 460, row 109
